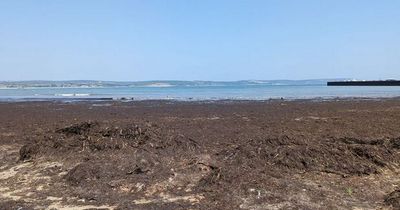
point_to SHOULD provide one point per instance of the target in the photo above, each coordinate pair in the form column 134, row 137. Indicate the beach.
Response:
column 272, row 154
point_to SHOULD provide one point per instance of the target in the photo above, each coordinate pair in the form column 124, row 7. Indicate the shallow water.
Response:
column 233, row 92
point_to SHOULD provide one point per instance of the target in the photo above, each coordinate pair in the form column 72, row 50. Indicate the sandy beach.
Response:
column 200, row 155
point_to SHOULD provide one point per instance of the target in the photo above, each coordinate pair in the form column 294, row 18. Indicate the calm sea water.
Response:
column 239, row 92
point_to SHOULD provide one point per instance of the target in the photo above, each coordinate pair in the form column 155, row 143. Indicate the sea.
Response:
column 187, row 90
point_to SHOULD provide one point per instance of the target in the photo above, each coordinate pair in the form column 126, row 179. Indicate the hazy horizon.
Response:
column 198, row 40
column 194, row 80
column 156, row 80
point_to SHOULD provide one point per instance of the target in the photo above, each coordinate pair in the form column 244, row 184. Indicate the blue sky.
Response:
column 199, row 40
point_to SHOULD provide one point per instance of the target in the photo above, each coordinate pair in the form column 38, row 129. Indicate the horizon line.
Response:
column 175, row 80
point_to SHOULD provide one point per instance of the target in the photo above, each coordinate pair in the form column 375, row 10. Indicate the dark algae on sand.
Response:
column 221, row 155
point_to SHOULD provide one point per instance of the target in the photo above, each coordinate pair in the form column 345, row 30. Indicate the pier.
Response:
column 365, row 83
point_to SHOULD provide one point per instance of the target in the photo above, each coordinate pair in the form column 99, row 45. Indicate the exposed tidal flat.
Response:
column 302, row 154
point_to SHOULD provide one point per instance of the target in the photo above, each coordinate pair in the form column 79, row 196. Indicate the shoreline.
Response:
column 132, row 100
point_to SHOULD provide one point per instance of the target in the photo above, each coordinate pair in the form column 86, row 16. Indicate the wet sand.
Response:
column 200, row 155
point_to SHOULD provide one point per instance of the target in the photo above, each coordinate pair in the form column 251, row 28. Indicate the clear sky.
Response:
column 199, row 39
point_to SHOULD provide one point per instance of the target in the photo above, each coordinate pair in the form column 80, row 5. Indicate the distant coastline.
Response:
column 152, row 83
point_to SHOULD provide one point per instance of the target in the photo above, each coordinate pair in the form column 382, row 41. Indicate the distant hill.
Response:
column 154, row 83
